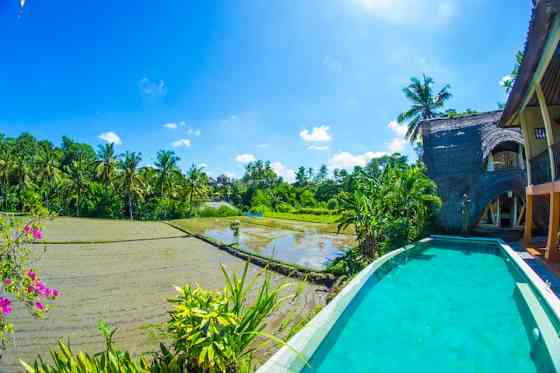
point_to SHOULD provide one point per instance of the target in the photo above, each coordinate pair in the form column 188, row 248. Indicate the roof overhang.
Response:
column 540, row 48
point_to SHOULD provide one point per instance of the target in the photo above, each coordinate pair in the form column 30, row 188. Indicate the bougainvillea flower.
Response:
column 40, row 306
column 32, row 275
column 53, row 293
column 27, row 229
column 37, row 234
column 41, row 288
column 5, row 306
column 7, row 281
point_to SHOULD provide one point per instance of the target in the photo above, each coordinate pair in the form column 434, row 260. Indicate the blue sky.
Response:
column 224, row 82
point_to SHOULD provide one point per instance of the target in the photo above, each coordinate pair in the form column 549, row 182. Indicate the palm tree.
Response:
column 132, row 183
column 425, row 104
column 167, row 165
column 77, row 183
column 107, row 163
column 48, row 171
column 196, row 184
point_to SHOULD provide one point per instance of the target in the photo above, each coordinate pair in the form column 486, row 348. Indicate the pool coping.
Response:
column 293, row 356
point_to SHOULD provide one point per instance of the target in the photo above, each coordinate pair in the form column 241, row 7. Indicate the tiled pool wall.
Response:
column 301, row 347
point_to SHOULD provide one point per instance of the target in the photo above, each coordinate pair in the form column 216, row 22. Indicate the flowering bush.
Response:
column 20, row 282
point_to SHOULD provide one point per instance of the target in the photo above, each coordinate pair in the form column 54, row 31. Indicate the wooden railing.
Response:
column 540, row 168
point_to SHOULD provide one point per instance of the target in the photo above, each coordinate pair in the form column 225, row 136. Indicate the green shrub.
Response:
column 260, row 209
column 332, row 204
column 110, row 361
column 220, row 212
column 348, row 264
column 307, row 199
column 284, row 207
column 213, row 331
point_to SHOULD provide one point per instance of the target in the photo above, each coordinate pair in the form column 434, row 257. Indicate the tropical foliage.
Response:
column 387, row 209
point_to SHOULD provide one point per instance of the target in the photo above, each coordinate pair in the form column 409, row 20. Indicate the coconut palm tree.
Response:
column 77, row 182
column 48, row 171
column 107, row 164
column 425, row 104
column 131, row 181
column 167, row 166
column 196, row 185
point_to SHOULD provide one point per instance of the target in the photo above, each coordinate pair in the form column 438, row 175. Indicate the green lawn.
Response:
column 323, row 219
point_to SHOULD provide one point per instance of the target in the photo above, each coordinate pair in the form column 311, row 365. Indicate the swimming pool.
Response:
column 439, row 306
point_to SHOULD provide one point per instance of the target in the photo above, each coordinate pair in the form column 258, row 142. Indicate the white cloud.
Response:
column 110, row 138
column 317, row 147
column 152, row 88
column 231, row 175
column 399, row 129
column 317, row 134
column 397, row 145
column 287, row 174
column 181, row 143
column 245, row 158
column 440, row 12
column 262, row 146
column 171, row 126
column 192, row 131
column 399, row 142
column 348, row 160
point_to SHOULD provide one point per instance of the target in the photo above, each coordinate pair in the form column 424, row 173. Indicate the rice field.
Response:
column 307, row 245
column 84, row 230
column 125, row 283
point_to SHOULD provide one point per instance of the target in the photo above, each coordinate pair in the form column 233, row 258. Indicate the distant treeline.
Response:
column 75, row 179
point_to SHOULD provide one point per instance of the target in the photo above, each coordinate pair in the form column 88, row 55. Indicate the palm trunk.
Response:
column 130, row 206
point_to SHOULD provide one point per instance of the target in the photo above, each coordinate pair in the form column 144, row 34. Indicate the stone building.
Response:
column 472, row 156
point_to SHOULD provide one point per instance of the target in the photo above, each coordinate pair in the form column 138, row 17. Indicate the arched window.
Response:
column 507, row 155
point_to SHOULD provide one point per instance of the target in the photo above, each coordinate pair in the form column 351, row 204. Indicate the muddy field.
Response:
column 309, row 245
column 87, row 230
column 126, row 284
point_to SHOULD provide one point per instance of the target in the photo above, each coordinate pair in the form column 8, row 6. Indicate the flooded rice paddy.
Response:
column 125, row 283
column 309, row 246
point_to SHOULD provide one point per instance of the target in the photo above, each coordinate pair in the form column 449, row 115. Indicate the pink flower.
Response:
column 7, row 281
column 53, row 293
column 32, row 275
column 30, row 289
column 5, row 306
column 27, row 229
column 40, row 306
column 37, row 234
column 41, row 288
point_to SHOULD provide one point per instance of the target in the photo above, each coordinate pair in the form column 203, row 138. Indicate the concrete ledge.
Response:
column 545, row 343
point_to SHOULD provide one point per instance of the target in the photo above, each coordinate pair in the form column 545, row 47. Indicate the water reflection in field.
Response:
column 309, row 247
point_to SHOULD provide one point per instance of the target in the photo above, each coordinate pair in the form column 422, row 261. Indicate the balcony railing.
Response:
column 540, row 168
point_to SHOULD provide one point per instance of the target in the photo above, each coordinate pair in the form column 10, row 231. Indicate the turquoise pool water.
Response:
column 445, row 308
